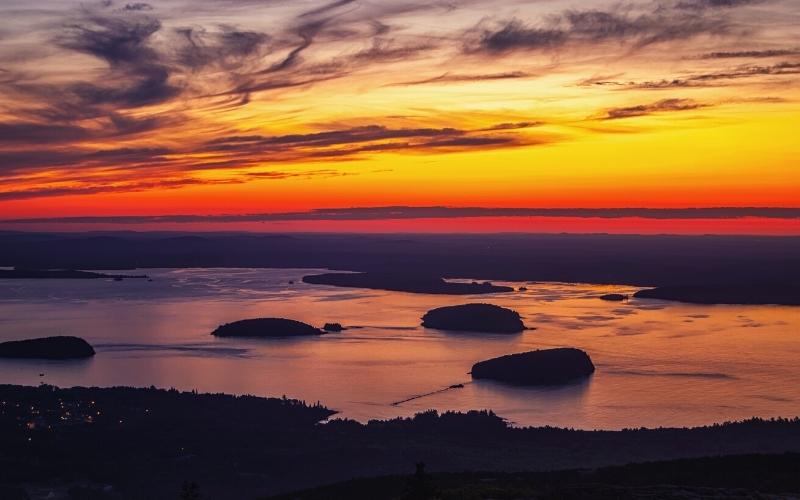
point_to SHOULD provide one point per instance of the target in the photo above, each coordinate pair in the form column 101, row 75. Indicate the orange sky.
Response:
column 159, row 108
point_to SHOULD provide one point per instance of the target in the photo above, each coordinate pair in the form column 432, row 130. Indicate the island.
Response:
column 788, row 295
column 61, row 274
column 541, row 367
column 60, row 347
column 404, row 282
column 266, row 328
column 478, row 317
column 333, row 327
column 614, row 297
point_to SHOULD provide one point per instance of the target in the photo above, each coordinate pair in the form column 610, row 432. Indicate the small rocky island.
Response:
column 266, row 328
column 413, row 283
column 787, row 295
column 487, row 318
column 61, row 274
column 541, row 367
column 614, row 297
column 333, row 327
column 63, row 347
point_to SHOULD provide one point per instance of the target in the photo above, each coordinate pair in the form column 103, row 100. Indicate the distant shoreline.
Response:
column 647, row 261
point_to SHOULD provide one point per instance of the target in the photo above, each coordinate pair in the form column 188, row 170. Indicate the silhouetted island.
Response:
column 404, row 282
column 541, row 367
column 266, row 327
column 788, row 295
column 333, row 327
column 474, row 318
column 63, row 347
column 61, row 274
column 613, row 297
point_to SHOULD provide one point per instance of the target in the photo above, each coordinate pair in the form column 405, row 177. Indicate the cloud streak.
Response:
column 662, row 106
column 435, row 212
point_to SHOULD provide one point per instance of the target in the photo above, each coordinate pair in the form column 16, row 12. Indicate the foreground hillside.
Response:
column 721, row 477
column 144, row 443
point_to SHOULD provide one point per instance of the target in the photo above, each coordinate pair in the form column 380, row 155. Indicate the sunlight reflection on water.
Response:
column 658, row 363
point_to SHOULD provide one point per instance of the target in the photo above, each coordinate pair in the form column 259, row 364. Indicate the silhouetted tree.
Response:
column 420, row 486
column 190, row 491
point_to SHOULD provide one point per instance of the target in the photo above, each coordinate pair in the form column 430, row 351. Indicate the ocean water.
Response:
column 658, row 363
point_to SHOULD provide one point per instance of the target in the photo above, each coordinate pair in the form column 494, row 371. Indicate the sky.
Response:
column 130, row 114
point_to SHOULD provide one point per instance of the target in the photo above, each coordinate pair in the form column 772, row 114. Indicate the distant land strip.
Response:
column 432, row 212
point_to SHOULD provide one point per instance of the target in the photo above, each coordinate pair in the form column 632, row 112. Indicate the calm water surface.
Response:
column 658, row 363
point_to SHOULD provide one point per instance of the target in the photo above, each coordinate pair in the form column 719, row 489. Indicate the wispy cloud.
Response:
column 664, row 105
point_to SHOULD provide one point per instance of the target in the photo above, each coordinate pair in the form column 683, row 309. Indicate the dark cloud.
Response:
column 385, row 50
column 664, row 105
column 349, row 143
column 367, row 133
column 405, row 212
column 226, row 48
column 21, row 132
column 513, row 126
column 137, row 6
column 95, row 188
column 237, row 153
column 17, row 161
column 751, row 54
column 713, row 4
column 326, row 8
column 517, row 35
column 462, row 78
column 138, row 76
column 586, row 27
column 702, row 79
column 306, row 32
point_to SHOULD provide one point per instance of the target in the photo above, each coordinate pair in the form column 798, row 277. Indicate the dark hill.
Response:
column 542, row 367
column 266, row 327
column 474, row 318
column 404, row 282
column 47, row 348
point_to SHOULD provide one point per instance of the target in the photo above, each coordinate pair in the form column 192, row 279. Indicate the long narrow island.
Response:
column 63, row 274
column 787, row 295
column 404, row 282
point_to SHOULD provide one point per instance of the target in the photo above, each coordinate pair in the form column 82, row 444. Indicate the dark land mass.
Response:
column 266, row 327
column 541, row 367
column 719, row 477
column 613, row 297
column 333, row 327
column 60, row 274
column 787, row 295
column 404, row 282
column 487, row 318
column 598, row 258
column 47, row 348
column 144, row 443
